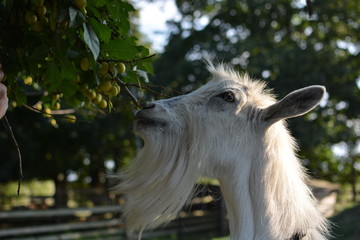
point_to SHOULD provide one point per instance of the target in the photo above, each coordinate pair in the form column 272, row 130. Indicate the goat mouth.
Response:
column 149, row 122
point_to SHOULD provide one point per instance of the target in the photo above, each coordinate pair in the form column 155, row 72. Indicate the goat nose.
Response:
column 149, row 106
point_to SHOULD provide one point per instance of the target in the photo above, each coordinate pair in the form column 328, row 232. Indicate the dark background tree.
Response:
column 278, row 42
column 54, row 153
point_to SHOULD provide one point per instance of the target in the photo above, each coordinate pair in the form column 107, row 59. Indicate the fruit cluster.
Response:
column 40, row 14
column 101, row 94
column 98, row 96
column 62, row 58
column 37, row 13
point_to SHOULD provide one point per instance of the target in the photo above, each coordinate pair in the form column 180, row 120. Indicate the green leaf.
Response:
column 119, row 13
column 20, row 96
column 52, row 76
column 68, row 87
column 131, row 77
column 72, row 13
column 72, row 54
column 37, row 57
column 74, row 100
column 97, row 3
column 40, row 53
column 143, row 50
column 68, row 70
column 101, row 30
column 91, row 40
column 146, row 66
column 119, row 49
column 76, row 17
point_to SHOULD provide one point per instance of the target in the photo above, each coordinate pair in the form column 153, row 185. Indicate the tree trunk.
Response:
column 60, row 192
column 353, row 178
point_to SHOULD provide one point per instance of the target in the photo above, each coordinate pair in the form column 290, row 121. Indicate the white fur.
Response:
column 261, row 179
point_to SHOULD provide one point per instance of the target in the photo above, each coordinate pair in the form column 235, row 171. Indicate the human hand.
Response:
column 4, row 101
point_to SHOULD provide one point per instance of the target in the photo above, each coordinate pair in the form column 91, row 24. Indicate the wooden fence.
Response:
column 104, row 222
column 206, row 214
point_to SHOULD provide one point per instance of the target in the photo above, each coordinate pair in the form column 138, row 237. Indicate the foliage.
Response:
column 64, row 59
column 278, row 42
column 71, row 54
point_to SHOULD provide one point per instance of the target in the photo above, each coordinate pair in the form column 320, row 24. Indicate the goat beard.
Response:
column 158, row 182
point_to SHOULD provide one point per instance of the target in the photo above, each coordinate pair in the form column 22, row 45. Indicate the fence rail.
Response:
column 104, row 222
column 65, row 212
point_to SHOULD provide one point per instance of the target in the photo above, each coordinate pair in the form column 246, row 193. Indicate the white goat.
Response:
column 231, row 129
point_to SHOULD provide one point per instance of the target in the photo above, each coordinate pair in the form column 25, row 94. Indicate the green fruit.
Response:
column 53, row 122
column 57, row 106
column 80, row 4
column 121, row 68
column 113, row 91
column 28, row 80
column 56, row 97
column 112, row 68
column 71, row 118
column 104, row 68
column 110, row 104
column 84, row 64
column 117, row 88
column 98, row 98
column 41, row 11
column 103, row 103
column 91, row 94
column 106, row 86
column 47, row 111
column 30, row 18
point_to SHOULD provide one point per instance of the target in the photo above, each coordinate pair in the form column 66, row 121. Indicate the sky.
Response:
column 152, row 21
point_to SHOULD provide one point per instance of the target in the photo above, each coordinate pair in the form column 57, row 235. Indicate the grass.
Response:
column 9, row 198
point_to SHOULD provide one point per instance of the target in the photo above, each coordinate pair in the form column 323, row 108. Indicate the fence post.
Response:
column 223, row 220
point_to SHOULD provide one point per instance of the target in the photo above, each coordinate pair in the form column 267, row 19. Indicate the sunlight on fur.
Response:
column 231, row 129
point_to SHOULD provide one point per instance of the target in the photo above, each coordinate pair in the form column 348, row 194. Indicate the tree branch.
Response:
column 127, row 91
column 126, row 61
column 53, row 112
column 310, row 7
column 142, row 86
column 146, row 88
column 9, row 129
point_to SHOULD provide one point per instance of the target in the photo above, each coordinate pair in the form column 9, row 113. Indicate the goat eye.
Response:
column 228, row 96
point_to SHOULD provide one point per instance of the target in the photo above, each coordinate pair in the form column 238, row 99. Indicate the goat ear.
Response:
column 294, row 104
